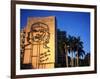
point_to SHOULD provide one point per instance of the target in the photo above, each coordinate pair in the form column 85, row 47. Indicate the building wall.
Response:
column 40, row 50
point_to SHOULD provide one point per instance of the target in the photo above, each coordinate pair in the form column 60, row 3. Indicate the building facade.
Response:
column 38, row 43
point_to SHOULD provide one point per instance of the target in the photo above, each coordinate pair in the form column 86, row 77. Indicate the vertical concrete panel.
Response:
column 41, row 42
column 26, row 57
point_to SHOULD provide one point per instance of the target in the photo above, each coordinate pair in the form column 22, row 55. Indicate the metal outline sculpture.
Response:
column 45, row 36
column 42, row 36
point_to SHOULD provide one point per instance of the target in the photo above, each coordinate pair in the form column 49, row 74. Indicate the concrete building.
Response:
column 38, row 43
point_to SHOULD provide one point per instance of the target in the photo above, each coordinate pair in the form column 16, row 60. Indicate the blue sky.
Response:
column 74, row 23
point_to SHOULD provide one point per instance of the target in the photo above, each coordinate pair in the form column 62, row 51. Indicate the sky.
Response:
column 74, row 23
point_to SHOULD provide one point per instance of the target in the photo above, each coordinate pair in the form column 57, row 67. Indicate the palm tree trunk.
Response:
column 71, row 58
column 77, row 59
column 66, row 57
column 65, row 47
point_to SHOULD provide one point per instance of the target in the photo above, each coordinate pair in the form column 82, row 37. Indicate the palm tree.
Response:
column 81, row 52
column 66, row 47
column 71, row 48
column 78, row 47
column 71, row 45
column 75, row 45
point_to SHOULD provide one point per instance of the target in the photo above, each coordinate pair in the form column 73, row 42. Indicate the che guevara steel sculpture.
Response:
column 38, row 37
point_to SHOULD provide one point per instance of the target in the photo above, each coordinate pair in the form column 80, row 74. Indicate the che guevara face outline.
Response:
column 39, row 32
